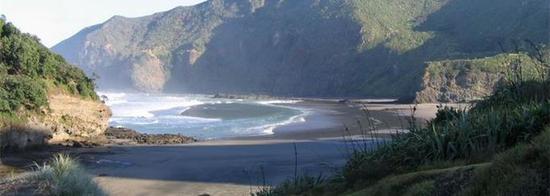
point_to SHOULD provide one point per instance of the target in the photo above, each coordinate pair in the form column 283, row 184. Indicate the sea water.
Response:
column 200, row 116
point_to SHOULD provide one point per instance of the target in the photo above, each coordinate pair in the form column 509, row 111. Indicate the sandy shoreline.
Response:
column 329, row 119
column 237, row 166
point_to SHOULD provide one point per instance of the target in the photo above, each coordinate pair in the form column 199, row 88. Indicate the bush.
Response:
column 522, row 170
column 24, row 92
column 4, row 103
column 25, row 67
column 512, row 94
column 65, row 177
column 508, row 118
column 304, row 185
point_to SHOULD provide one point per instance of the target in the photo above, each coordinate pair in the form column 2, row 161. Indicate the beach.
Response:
column 239, row 166
column 317, row 146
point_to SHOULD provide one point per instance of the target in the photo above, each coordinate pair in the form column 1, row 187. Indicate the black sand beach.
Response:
column 237, row 166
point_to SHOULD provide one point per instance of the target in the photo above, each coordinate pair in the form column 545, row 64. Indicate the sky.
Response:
column 55, row 20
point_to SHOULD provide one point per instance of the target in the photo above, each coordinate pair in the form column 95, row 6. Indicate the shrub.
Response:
column 65, row 177
column 24, row 92
column 509, row 118
column 304, row 185
column 522, row 170
column 25, row 67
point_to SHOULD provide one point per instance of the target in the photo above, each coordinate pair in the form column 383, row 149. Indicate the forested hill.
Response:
column 28, row 70
column 328, row 48
column 39, row 90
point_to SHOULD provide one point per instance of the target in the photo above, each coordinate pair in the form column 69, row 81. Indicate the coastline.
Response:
column 332, row 119
column 234, row 166
column 239, row 165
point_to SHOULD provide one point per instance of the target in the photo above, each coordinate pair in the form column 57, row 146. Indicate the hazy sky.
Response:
column 55, row 20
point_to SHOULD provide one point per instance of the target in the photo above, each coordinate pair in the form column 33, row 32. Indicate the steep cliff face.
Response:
column 472, row 79
column 299, row 48
column 42, row 97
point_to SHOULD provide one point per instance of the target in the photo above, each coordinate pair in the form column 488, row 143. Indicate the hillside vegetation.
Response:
column 499, row 146
column 38, row 89
column 372, row 48
column 466, row 80
column 28, row 71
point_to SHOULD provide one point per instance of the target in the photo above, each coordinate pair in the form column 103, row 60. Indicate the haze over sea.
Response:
column 200, row 116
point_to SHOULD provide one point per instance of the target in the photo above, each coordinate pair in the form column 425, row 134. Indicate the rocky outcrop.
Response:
column 128, row 136
column 43, row 99
column 148, row 73
column 68, row 119
column 72, row 118
column 468, row 80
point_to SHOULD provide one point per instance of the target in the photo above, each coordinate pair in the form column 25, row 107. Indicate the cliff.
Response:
column 327, row 48
column 466, row 80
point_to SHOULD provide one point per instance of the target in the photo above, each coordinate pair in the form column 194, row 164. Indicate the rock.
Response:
column 72, row 118
column 117, row 134
column 467, row 80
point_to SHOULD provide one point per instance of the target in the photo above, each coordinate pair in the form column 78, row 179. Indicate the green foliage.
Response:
column 303, row 185
column 522, row 170
column 24, row 92
column 507, row 126
column 64, row 176
column 494, row 65
column 4, row 103
column 354, row 48
column 477, row 134
column 511, row 94
column 393, row 22
column 25, row 68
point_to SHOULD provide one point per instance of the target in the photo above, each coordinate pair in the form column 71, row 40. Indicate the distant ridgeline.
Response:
column 32, row 77
column 366, row 48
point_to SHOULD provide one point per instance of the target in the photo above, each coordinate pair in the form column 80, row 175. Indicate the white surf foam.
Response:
column 270, row 102
column 160, row 113
column 269, row 128
column 143, row 105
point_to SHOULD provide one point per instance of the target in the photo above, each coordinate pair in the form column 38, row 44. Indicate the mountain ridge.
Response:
column 324, row 48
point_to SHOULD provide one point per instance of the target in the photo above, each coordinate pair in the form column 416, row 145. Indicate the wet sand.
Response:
column 231, row 167
column 239, row 166
column 330, row 119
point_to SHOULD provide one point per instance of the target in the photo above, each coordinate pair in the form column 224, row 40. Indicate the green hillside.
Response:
column 29, row 71
column 498, row 146
column 328, row 48
column 465, row 80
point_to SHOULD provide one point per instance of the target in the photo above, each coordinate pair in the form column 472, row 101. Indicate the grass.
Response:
column 492, row 126
column 64, row 176
column 500, row 146
column 303, row 185
column 420, row 182
column 522, row 170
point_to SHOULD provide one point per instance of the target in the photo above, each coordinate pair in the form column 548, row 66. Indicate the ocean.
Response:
column 200, row 116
